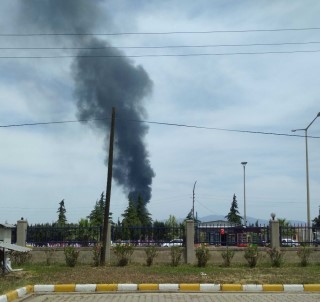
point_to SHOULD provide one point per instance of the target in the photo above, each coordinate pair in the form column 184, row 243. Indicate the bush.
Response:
column 304, row 253
column 276, row 256
column 202, row 254
column 151, row 253
column 97, row 248
column 251, row 254
column 176, row 254
column 227, row 256
column 123, row 253
column 71, row 255
column 49, row 255
column 20, row 258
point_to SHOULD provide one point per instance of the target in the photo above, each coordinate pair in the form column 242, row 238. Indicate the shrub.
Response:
column 304, row 253
column 123, row 253
column 276, row 256
column 49, row 255
column 202, row 254
column 251, row 254
column 151, row 253
column 227, row 256
column 176, row 254
column 97, row 248
column 20, row 258
column 71, row 255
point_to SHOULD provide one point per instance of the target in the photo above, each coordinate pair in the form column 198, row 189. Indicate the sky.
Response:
column 184, row 98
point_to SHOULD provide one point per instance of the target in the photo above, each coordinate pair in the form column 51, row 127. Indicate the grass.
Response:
column 135, row 273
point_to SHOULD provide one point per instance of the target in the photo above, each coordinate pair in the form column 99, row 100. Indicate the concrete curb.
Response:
column 153, row 287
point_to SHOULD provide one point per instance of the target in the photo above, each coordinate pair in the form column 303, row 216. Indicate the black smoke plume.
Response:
column 103, row 83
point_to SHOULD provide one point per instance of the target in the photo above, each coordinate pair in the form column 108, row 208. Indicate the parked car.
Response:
column 174, row 242
column 289, row 242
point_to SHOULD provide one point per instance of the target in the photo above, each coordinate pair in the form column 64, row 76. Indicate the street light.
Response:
column 244, row 192
column 307, row 171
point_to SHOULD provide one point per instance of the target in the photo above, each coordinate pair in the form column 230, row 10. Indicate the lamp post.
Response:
column 244, row 192
column 307, row 171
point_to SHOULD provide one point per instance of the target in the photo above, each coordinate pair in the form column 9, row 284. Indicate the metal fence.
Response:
column 231, row 235
column 53, row 236
column 219, row 235
column 299, row 235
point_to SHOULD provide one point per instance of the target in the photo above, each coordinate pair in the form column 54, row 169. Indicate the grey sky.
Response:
column 270, row 93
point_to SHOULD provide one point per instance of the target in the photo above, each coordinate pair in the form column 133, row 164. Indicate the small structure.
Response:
column 6, row 232
column 6, row 247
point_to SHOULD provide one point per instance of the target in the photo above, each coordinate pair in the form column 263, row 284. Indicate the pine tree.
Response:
column 142, row 212
column 62, row 219
column 130, row 216
column 131, row 222
column 96, row 216
column 233, row 216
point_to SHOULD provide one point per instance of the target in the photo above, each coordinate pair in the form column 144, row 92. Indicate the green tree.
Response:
column 233, row 215
column 285, row 227
column 189, row 217
column 142, row 213
column 131, row 222
column 62, row 219
column 172, row 228
column 316, row 221
column 96, row 216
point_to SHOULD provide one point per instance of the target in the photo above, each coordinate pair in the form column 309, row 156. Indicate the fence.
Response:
column 62, row 236
column 231, row 235
column 88, row 236
column 218, row 235
column 299, row 235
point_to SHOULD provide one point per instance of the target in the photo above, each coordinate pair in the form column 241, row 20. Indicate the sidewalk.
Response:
column 169, row 297
column 165, row 292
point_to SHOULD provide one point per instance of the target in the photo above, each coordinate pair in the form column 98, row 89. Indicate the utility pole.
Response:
column 108, row 192
column 194, row 186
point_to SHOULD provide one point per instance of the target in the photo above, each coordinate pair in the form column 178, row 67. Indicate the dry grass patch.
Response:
column 59, row 274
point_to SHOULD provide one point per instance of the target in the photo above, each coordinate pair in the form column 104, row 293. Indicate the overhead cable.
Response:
column 160, row 55
column 158, row 123
column 158, row 33
column 160, row 47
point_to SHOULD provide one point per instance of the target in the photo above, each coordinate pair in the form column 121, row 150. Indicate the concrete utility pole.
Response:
column 244, row 192
column 194, row 186
column 108, row 191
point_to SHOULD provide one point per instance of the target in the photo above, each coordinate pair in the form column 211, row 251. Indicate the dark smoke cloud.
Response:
column 103, row 83
column 115, row 82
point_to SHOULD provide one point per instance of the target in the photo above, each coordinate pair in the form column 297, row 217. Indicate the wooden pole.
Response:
column 108, row 192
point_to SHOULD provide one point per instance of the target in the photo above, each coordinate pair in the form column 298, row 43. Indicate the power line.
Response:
column 160, row 47
column 159, row 33
column 160, row 55
column 158, row 123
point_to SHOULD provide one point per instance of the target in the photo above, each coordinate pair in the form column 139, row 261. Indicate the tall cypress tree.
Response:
column 233, row 215
column 62, row 219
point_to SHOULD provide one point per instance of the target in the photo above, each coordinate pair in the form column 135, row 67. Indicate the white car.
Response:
column 289, row 242
column 174, row 242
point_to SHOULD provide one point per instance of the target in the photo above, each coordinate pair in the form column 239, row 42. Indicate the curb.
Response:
column 153, row 287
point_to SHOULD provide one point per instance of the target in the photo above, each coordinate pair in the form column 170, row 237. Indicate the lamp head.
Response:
column 244, row 163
